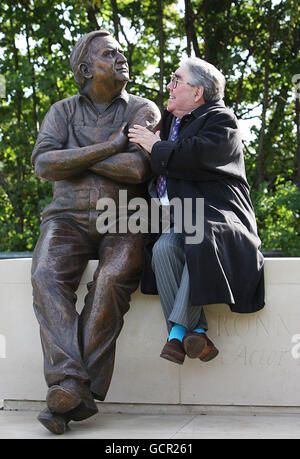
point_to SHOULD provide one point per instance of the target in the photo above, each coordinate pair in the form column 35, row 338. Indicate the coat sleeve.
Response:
column 215, row 147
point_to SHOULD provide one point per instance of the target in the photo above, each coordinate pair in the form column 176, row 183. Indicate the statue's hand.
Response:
column 119, row 139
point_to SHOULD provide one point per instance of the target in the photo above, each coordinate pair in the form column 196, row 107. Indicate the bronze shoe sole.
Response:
column 55, row 423
column 60, row 400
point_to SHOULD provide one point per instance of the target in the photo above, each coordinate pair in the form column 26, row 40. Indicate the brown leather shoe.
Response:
column 173, row 351
column 198, row 345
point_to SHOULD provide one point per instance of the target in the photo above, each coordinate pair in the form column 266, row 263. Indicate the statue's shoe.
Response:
column 61, row 400
column 55, row 423
column 70, row 395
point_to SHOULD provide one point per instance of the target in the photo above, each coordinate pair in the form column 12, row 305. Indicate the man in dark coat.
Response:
column 83, row 149
column 199, row 157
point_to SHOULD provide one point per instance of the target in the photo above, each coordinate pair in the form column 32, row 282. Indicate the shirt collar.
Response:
column 123, row 96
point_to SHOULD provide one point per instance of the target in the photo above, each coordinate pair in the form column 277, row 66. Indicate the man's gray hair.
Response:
column 206, row 75
column 81, row 54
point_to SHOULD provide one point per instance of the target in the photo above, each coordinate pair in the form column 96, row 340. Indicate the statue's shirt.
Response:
column 75, row 122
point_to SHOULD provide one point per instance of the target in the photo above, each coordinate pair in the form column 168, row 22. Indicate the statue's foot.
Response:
column 71, row 397
column 55, row 423
column 86, row 409
column 61, row 400
column 58, row 423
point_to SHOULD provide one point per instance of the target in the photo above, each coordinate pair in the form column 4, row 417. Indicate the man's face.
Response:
column 182, row 97
column 109, row 65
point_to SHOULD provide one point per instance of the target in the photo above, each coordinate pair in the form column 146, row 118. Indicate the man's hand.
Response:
column 119, row 139
column 144, row 137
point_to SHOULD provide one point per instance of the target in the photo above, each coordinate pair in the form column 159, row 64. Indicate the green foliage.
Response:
column 255, row 43
column 278, row 216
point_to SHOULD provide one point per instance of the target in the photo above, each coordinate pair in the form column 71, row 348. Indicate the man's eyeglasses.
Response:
column 174, row 81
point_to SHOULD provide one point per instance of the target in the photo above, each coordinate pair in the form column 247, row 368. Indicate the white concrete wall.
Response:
column 258, row 364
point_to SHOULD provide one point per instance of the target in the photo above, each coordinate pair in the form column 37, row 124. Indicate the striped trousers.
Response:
column 173, row 283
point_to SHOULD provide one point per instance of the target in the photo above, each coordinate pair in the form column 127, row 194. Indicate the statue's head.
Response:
column 99, row 57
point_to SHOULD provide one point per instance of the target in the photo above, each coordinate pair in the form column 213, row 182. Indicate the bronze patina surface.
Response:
column 83, row 149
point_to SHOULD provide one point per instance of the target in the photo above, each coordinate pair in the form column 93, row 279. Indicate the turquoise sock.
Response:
column 199, row 330
column 178, row 332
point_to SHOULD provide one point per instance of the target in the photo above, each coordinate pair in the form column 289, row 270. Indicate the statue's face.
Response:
column 109, row 65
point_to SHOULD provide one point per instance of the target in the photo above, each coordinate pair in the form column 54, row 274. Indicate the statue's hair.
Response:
column 81, row 54
column 206, row 75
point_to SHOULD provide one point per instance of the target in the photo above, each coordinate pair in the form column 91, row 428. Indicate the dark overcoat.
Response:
column 206, row 161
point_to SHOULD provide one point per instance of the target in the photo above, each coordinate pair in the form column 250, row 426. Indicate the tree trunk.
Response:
column 205, row 8
column 16, row 198
column 297, row 121
column 191, row 36
column 91, row 14
column 33, row 84
column 187, row 20
column 265, row 102
column 239, row 92
column 161, row 52
column 295, row 32
column 115, row 12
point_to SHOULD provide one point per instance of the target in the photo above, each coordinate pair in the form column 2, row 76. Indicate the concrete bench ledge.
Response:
column 258, row 364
